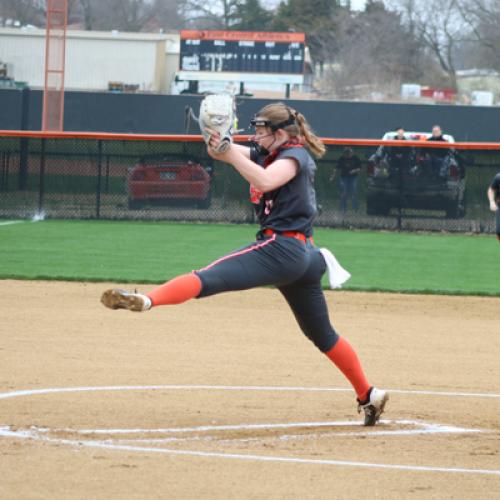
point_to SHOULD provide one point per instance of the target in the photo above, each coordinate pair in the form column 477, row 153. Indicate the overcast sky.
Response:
column 355, row 4
column 358, row 4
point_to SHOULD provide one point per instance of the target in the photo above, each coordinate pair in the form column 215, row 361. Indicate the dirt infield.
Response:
column 223, row 398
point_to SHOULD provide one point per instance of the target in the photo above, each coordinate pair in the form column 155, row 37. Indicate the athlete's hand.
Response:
column 493, row 206
column 214, row 138
column 213, row 144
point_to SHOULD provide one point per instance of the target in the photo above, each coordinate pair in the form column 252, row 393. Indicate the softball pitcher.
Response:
column 494, row 199
column 281, row 172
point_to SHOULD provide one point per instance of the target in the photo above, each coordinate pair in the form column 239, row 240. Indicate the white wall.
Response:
column 91, row 64
column 92, row 58
column 25, row 54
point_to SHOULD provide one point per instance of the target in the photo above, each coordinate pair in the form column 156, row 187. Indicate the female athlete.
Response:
column 280, row 171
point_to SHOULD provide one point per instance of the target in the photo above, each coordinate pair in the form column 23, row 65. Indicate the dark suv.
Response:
column 415, row 178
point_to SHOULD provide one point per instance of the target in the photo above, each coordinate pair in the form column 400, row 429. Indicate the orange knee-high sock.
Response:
column 176, row 291
column 347, row 361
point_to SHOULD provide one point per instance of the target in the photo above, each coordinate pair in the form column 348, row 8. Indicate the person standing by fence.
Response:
column 437, row 156
column 349, row 165
column 494, row 199
column 399, row 157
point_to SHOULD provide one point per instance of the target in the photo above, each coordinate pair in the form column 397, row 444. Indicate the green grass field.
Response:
column 153, row 252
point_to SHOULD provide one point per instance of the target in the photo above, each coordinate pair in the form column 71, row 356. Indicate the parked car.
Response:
column 169, row 182
column 415, row 178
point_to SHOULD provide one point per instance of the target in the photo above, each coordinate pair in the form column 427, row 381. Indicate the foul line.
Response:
column 8, row 223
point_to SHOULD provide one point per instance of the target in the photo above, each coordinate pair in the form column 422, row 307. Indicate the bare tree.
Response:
column 136, row 15
column 376, row 54
column 87, row 8
column 122, row 15
column 33, row 11
column 483, row 18
column 23, row 11
column 210, row 14
column 440, row 26
column 129, row 15
column 168, row 14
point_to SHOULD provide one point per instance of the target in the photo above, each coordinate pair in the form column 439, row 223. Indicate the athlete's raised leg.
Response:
column 268, row 261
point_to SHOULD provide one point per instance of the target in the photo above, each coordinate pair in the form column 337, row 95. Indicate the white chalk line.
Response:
column 33, row 392
column 10, row 222
column 35, row 435
column 259, row 458
column 36, row 218
column 421, row 428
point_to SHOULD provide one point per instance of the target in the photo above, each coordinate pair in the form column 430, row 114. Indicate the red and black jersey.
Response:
column 291, row 207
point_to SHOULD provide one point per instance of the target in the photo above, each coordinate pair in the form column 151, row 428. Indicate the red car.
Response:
column 168, row 182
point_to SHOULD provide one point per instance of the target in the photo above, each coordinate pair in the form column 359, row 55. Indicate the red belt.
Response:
column 289, row 234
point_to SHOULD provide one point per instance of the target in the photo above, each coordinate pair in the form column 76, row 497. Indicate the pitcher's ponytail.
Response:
column 279, row 115
column 313, row 141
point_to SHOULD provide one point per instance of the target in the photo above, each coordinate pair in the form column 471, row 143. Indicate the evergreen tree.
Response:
column 317, row 18
column 251, row 16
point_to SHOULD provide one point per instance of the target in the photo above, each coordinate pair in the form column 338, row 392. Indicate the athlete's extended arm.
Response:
column 274, row 176
column 491, row 198
column 245, row 150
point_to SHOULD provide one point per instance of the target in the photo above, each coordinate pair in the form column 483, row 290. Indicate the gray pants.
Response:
column 294, row 267
column 497, row 218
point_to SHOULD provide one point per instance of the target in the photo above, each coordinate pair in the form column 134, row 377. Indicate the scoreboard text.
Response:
column 242, row 51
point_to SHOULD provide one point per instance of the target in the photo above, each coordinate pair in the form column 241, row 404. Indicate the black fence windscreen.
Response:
column 360, row 186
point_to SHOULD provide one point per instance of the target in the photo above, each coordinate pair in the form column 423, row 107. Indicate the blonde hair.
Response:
column 278, row 113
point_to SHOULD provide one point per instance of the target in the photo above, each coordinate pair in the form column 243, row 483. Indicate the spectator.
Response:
column 349, row 165
column 399, row 156
column 437, row 135
column 494, row 199
column 437, row 156
column 400, row 134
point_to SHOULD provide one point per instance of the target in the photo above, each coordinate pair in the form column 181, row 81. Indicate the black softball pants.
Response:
column 294, row 267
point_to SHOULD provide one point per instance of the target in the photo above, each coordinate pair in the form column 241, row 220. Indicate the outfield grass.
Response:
column 152, row 252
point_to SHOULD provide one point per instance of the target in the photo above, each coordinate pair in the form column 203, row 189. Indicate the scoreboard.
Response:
column 242, row 52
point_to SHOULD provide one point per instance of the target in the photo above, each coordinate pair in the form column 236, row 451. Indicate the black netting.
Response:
column 139, row 179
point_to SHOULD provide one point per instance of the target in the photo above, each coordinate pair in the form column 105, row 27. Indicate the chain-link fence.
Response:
column 173, row 178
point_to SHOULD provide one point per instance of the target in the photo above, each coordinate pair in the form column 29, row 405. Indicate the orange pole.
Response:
column 55, row 65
